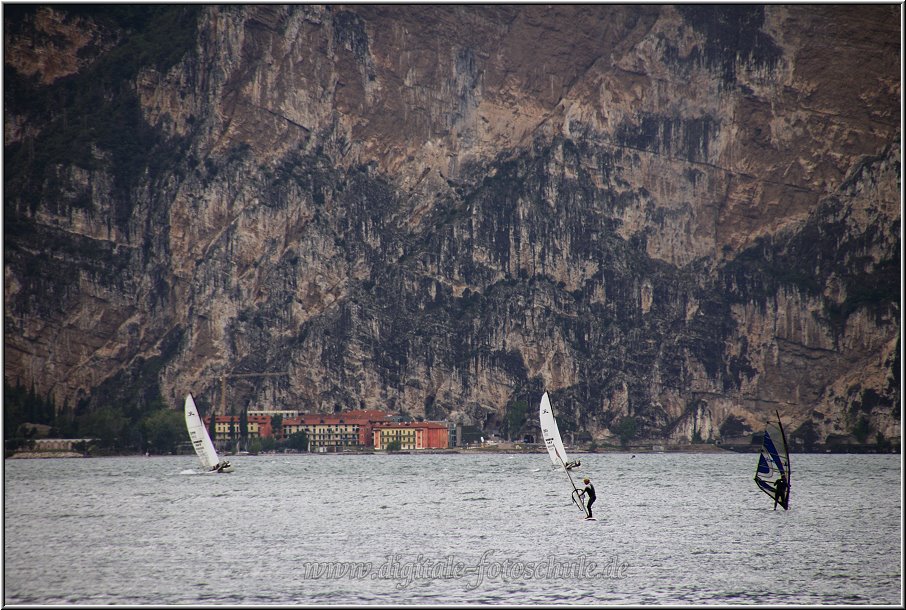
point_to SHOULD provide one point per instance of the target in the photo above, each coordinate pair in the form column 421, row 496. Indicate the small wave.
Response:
column 188, row 472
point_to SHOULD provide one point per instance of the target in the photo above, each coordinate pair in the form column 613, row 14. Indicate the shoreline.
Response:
column 642, row 450
column 40, row 455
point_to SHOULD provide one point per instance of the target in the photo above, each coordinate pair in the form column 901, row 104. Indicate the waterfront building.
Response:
column 350, row 430
column 226, row 427
column 260, row 426
column 58, row 444
column 335, row 432
column 412, row 435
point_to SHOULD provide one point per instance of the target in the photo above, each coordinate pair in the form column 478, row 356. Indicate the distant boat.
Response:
column 201, row 441
column 551, row 434
column 773, row 473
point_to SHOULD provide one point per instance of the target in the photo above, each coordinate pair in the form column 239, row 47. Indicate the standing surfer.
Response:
column 781, row 488
column 772, row 474
column 590, row 492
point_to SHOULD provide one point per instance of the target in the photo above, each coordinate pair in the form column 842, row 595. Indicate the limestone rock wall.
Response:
column 686, row 215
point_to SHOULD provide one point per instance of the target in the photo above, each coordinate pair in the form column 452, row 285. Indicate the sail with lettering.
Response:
column 773, row 472
column 201, row 441
column 551, row 434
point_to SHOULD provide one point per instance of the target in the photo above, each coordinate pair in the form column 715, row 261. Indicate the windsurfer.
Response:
column 590, row 492
column 781, row 493
column 573, row 464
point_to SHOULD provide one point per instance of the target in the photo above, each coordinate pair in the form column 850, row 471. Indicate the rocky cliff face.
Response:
column 688, row 216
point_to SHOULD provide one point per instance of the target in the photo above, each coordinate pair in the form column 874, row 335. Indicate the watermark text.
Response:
column 475, row 572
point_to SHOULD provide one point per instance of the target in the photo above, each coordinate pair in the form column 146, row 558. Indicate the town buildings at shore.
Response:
column 413, row 435
column 347, row 431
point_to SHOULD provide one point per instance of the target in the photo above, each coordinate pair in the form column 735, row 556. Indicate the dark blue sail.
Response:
column 773, row 472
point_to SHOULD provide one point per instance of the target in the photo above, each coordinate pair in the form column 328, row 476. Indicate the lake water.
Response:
column 450, row 529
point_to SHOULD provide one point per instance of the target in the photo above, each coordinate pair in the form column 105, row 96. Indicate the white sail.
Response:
column 551, row 433
column 199, row 436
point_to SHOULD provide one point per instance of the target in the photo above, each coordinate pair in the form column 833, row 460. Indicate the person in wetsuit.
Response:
column 590, row 492
column 781, row 493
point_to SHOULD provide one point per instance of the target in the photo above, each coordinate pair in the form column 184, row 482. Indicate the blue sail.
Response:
column 772, row 474
column 772, row 451
column 763, row 466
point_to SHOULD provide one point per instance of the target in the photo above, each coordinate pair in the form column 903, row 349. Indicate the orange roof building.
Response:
column 335, row 432
column 338, row 431
column 412, row 435
column 226, row 427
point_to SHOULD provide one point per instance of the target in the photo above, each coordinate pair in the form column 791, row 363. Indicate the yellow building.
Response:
column 226, row 427
column 412, row 435
column 408, row 438
column 328, row 432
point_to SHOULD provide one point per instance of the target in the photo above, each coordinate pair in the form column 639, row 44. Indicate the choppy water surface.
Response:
column 450, row 529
